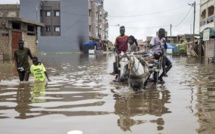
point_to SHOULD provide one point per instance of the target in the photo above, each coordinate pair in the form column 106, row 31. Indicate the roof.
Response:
column 24, row 21
column 9, row 6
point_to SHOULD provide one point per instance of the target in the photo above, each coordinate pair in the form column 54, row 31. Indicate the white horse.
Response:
column 131, row 69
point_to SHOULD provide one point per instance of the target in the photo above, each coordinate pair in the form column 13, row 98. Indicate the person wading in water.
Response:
column 21, row 61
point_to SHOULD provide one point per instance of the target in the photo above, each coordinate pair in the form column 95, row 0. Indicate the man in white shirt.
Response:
column 158, row 44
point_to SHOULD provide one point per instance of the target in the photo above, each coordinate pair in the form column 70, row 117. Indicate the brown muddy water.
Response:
column 82, row 97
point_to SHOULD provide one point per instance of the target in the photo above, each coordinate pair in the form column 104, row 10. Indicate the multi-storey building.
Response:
column 207, row 14
column 68, row 23
column 98, row 22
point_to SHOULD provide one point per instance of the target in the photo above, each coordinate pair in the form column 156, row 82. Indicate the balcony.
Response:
column 106, row 25
column 106, row 14
column 202, row 22
column 210, row 19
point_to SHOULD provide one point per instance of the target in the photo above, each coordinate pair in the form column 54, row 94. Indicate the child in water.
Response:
column 38, row 70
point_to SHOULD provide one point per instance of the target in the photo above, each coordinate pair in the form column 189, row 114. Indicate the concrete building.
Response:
column 66, row 23
column 98, row 22
column 207, row 14
column 13, row 28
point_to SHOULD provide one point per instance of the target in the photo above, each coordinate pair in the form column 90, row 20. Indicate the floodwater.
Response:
column 82, row 97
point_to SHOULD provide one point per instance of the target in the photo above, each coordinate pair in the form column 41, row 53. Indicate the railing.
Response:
column 106, row 25
column 210, row 19
column 202, row 22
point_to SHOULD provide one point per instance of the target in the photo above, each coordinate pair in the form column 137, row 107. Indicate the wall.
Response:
column 4, row 44
column 9, row 10
column 210, row 48
column 30, row 42
column 29, row 9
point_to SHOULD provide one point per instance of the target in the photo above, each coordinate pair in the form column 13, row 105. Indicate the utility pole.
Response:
column 170, row 29
column 194, row 19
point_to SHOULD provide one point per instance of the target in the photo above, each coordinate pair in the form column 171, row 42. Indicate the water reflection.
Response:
column 38, row 92
column 149, row 102
column 75, row 90
column 206, row 103
column 23, row 99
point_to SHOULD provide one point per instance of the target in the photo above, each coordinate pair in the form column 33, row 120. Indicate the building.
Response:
column 98, row 22
column 68, row 23
column 207, row 14
column 172, row 39
column 142, row 45
column 207, row 22
column 13, row 28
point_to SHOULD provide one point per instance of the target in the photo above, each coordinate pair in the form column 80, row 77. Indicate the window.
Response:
column 16, row 25
column 48, row 28
column 41, row 13
column 30, row 28
column 57, row 28
column 48, row 13
column 89, row 12
column 57, row 13
column 89, row 28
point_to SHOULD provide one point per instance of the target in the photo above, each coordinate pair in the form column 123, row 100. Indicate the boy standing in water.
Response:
column 38, row 70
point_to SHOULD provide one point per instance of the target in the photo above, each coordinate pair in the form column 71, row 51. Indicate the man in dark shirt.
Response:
column 21, row 60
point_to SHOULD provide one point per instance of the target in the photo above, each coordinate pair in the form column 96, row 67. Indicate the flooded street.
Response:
column 82, row 96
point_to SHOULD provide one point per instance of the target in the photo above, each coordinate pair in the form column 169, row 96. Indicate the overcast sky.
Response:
column 144, row 17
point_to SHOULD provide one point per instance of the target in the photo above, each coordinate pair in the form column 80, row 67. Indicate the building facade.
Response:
column 207, row 14
column 66, row 23
column 13, row 29
column 98, row 22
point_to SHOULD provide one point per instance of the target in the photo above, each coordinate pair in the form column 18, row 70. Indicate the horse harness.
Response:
column 131, row 65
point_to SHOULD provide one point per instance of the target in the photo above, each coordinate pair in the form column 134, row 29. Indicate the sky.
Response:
column 143, row 18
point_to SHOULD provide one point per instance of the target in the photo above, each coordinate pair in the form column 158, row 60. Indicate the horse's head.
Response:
column 136, row 67
column 124, row 61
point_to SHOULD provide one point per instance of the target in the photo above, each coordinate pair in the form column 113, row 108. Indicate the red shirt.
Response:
column 121, row 43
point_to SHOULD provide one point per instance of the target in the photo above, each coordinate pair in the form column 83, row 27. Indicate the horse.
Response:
column 133, row 70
